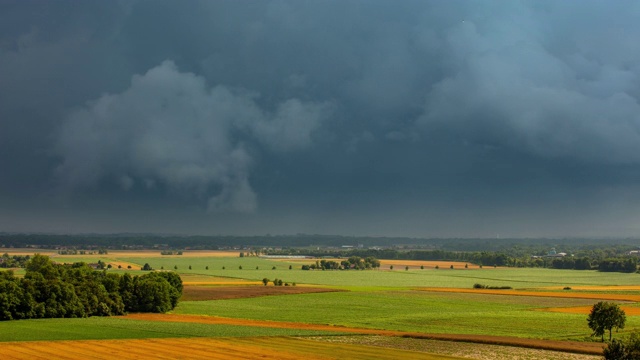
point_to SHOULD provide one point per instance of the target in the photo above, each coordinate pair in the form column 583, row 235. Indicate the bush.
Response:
column 482, row 286
column 567, row 288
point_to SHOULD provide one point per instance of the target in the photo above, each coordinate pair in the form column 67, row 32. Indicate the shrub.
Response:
column 567, row 288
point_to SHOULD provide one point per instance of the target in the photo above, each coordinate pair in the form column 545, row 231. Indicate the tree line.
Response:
column 50, row 290
column 353, row 262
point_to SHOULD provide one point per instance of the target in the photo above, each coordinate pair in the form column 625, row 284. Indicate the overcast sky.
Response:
column 402, row 118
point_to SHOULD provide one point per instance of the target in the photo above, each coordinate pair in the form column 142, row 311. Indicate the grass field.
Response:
column 414, row 311
column 393, row 300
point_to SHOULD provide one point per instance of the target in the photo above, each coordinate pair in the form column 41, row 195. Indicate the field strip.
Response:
column 204, row 283
column 628, row 310
column 597, row 287
column 566, row 294
column 431, row 264
column 566, row 346
column 180, row 348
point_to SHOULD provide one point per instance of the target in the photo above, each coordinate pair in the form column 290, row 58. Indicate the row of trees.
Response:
column 354, row 262
column 7, row 261
column 51, row 290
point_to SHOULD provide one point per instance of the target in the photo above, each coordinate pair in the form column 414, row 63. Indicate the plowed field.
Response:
column 628, row 310
column 204, row 348
column 198, row 293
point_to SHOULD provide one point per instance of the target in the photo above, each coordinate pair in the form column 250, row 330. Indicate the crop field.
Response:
column 226, row 307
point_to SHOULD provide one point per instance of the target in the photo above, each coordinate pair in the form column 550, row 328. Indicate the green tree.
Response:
column 605, row 316
column 623, row 350
column 265, row 281
column 147, row 267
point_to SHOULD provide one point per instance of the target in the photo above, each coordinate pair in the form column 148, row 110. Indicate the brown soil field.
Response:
column 415, row 264
column 198, row 293
column 567, row 346
column 566, row 294
column 628, row 310
column 598, row 288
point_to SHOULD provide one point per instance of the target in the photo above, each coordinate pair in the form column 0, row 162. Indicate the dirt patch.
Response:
column 628, row 310
column 566, row 346
column 199, row 293
column 565, row 294
column 597, row 288
column 416, row 264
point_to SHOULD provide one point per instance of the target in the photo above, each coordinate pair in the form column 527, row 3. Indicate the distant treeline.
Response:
column 51, row 290
column 625, row 264
column 484, row 258
column 512, row 247
column 480, row 258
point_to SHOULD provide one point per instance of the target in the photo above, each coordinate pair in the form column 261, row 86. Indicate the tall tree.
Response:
column 606, row 316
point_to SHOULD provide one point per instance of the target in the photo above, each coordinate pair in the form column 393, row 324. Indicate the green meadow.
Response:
column 118, row 328
column 414, row 311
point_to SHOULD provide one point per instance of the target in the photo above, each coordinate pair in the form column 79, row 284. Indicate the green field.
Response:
column 518, row 278
column 414, row 311
column 119, row 328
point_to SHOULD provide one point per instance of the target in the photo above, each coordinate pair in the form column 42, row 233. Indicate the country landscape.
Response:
column 424, row 309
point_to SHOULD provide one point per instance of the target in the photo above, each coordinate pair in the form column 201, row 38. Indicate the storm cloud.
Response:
column 419, row 118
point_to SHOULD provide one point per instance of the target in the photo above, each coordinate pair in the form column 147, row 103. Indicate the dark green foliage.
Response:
column 51, row 290
column 482, row 286
column 628, row 265
column 7, row 261
column 605, row 316
column 265, row 281
column 623, row 350
column 147, row 267
column 354, row 262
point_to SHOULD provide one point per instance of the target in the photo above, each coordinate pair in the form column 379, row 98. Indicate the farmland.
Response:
column 225, row 303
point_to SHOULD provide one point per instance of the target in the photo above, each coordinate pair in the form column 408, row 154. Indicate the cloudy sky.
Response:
column 404, row 118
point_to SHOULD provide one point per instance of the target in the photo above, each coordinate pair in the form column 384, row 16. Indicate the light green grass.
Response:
column 119, row 328
column 514, row 277
column 414, row 311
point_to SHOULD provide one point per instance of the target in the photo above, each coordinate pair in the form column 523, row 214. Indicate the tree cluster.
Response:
column 628, row 265
column 170, row 252
column 623, row 350
column 51, row 290
column 353, row 262
column 15, row 261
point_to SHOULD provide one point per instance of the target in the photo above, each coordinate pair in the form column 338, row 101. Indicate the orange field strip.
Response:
column 597, row 288
column 430, row 264
column 571, row 346
column 200, row 283
column 285, row 348
column 628, row 310
column 566, row 294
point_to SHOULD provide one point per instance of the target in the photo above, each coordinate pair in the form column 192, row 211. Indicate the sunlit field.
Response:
column 419, row 302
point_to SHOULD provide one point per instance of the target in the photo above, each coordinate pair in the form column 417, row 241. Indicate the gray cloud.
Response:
column 169, row 128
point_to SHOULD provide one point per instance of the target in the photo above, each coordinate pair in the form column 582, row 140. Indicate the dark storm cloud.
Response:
column 377, row 117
